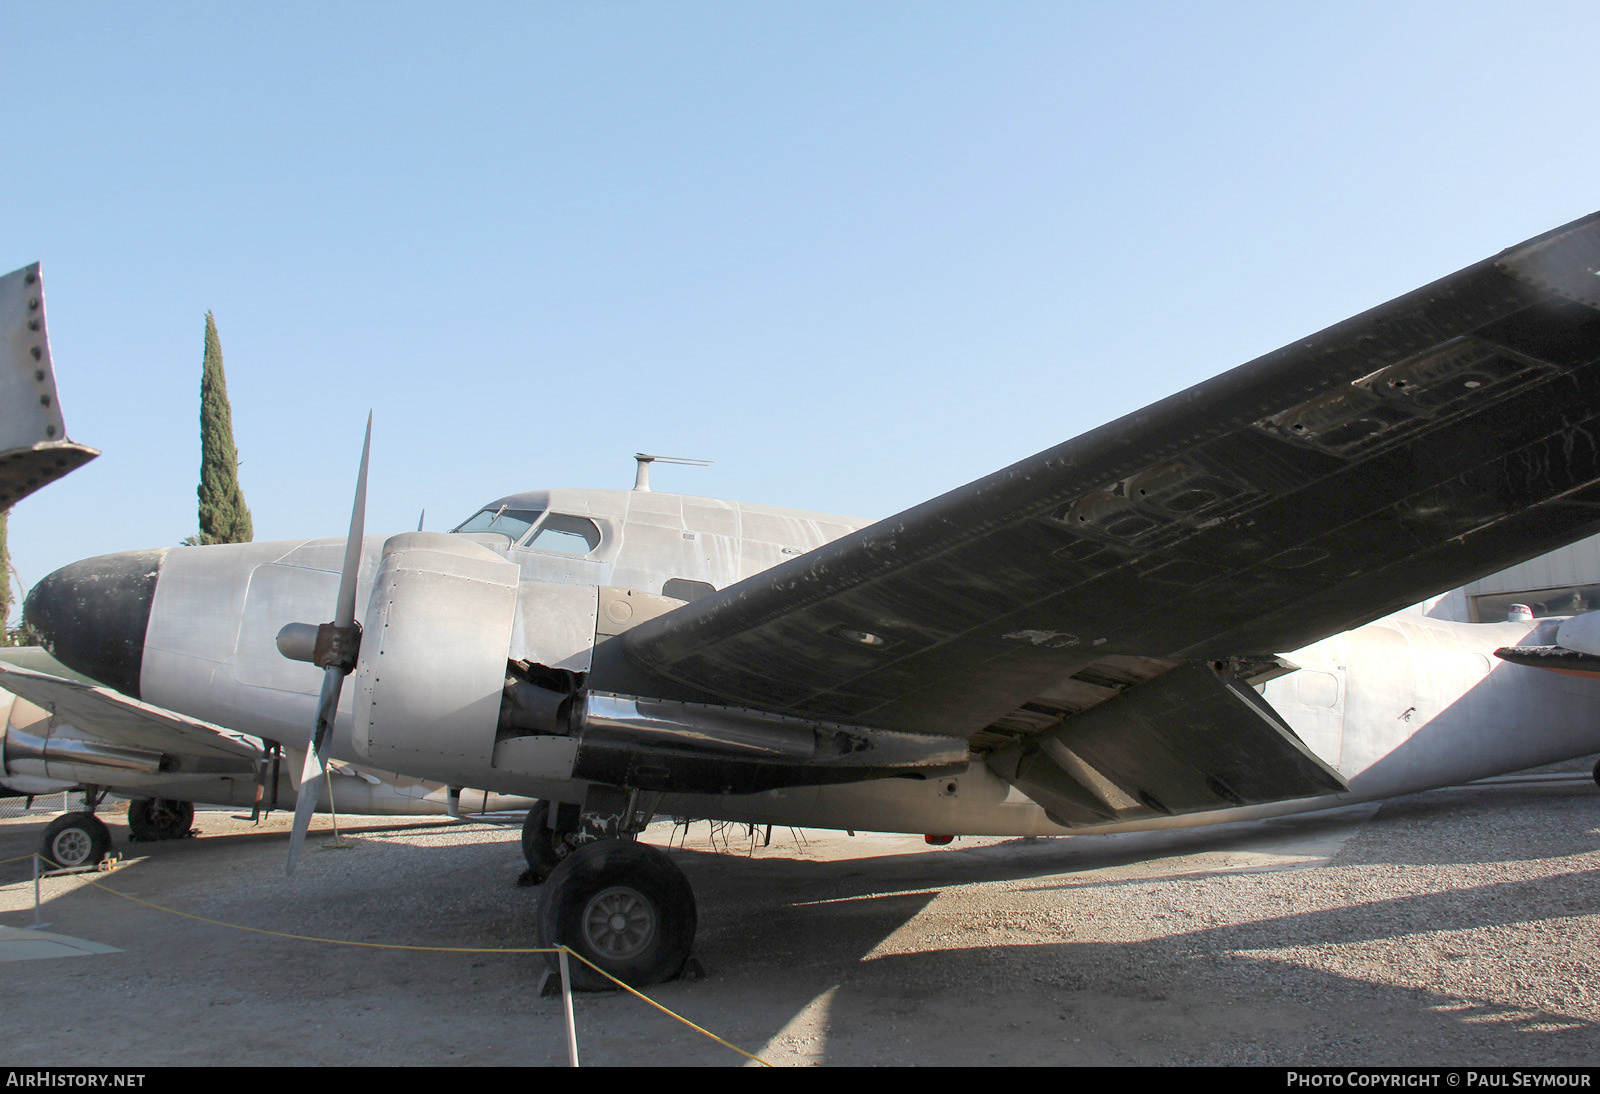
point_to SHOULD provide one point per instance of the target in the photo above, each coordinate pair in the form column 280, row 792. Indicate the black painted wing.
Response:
column 1442, row 436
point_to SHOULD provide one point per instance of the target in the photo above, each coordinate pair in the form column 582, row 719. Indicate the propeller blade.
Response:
column 315, row 768
column 346, row 613
column 346, row 646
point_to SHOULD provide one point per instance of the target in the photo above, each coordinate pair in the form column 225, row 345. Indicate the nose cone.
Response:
column 92, row 615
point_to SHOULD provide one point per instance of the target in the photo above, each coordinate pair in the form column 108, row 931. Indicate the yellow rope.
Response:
column 97, row 883
column 663, row 1009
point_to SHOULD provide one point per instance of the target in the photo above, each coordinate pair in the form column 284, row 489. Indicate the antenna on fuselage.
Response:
column 641, row 477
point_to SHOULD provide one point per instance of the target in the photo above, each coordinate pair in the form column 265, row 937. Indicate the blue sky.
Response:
column 856, row 253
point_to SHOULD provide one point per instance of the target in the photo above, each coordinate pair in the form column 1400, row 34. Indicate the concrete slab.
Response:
column 21, row 944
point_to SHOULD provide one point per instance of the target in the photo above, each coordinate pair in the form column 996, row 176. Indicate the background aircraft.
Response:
column 34, row 449
column 1090, row 639
column 90, row 739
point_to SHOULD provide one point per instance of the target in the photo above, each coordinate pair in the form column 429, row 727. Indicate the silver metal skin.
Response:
column 34, row 449
column 1581, row 633
column 1117, row 575
column 44, row 751
column 222, row 664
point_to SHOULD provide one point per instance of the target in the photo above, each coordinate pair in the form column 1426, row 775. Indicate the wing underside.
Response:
column 1441, row 436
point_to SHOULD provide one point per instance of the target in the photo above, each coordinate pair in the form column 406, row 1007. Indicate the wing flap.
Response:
column 1190, row 741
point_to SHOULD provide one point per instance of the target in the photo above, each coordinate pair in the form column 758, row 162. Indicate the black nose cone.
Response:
column 92, row 615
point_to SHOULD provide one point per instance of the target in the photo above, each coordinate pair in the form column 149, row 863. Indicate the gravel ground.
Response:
column 1455, row 927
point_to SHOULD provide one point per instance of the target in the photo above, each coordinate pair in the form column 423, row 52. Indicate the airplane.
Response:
column 1176, row 618
column 86, row 738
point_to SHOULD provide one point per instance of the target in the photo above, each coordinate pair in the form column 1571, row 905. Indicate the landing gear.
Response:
column 543, row 848
column 545, row 845
column 622, row 905
column 152, row 819
column 75, row 840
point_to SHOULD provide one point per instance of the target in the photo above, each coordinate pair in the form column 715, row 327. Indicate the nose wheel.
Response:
column 625, row 906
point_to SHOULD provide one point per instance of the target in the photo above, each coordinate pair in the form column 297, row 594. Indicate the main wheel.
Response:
column 622, row 905
column 74, row 840
column 151, row 819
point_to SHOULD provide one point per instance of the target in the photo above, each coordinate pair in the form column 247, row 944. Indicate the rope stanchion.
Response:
column 672, row 1014
column 562, row 951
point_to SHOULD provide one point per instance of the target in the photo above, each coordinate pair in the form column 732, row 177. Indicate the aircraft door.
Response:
column 1312, row 701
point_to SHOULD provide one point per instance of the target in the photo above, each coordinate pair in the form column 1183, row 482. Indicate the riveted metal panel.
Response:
column 433, row 656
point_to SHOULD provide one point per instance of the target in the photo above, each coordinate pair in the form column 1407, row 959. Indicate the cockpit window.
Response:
column 506, row 521
column 566, row 535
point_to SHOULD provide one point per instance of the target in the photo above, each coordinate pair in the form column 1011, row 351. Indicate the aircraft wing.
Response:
column 187, row 744
column 1441, row 436
column 34, row 449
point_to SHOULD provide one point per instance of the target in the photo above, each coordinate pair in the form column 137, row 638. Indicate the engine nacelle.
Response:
column 433, row 657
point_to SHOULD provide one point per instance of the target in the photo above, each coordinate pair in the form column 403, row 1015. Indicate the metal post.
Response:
column 37, row 925
column 566, row 999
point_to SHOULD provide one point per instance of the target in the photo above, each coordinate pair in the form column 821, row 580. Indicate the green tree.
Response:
column 5, row 573
column 224, row 517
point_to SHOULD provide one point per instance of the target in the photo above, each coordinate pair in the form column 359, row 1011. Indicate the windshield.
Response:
column 567, row 535
column 508, row 522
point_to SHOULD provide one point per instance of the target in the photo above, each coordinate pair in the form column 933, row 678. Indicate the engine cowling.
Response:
column 433, row 657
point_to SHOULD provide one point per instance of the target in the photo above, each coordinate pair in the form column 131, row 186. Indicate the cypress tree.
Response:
column 5, row 579
column 224, row 517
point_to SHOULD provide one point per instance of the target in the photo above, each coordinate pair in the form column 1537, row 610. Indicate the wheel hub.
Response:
column 71, row 847
column 619, row 922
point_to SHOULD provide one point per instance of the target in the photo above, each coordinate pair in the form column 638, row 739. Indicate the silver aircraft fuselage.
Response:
column 1403, row 704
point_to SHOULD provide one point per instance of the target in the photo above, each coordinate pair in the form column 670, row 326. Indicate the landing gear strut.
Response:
column 622, row 905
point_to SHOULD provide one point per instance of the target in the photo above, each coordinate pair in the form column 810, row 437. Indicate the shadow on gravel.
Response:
column 1212, row 995
column 801, row 961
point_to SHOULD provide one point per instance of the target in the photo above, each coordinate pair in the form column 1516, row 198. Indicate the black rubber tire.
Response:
column 623, row 905
column 1597, row 772
column 152, row 819
column 75, row 840
column 541, row 849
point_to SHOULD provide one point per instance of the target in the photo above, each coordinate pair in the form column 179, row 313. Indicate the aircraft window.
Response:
column 1567, row 600
column 1317, row 689
column 508, row 522
column 566, row 535
column 680, row 588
